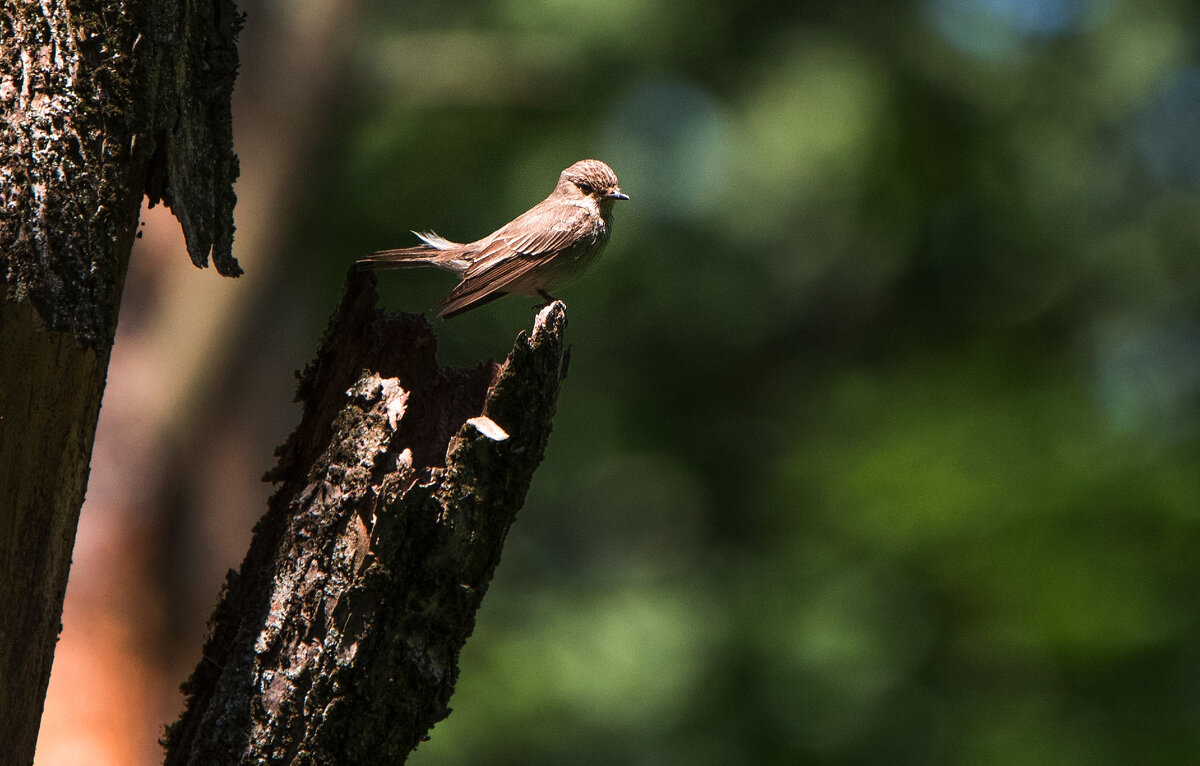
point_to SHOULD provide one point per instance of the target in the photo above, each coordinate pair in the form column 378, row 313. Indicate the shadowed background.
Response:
column 880, row 437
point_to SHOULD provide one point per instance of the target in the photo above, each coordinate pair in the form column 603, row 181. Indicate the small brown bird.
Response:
column 539, row 250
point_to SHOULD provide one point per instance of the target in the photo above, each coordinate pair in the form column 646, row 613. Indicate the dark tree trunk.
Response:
column 101, row 102
column 337, row 641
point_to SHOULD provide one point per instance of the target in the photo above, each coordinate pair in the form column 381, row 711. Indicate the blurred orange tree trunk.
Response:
column 101, row 102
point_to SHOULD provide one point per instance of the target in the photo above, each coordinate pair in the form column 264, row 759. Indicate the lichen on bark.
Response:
column 103, row 103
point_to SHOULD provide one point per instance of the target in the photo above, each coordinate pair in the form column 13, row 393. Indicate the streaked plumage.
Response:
column 537, row 251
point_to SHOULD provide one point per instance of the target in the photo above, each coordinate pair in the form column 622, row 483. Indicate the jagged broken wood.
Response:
column 337, row 641
column 102, row 103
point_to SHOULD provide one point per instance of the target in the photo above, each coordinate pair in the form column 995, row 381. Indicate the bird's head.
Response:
column 591, row 178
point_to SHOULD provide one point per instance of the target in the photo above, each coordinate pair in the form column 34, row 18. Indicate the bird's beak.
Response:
column 617, row 194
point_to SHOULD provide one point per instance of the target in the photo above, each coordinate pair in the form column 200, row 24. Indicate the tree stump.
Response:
column 337, row 641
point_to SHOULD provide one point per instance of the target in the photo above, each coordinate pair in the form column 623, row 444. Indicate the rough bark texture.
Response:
column 101, row 102
column 337, row 641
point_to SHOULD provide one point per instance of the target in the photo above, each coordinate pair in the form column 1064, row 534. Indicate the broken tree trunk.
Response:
column 337, row 641
column 102, row 102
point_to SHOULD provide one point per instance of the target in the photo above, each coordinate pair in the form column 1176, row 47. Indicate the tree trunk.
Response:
column 337, row 641
column 101, row 102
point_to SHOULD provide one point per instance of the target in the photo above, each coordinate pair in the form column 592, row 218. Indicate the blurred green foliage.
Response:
column 879, row 443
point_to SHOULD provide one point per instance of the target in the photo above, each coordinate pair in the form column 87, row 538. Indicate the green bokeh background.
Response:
column 879, row 443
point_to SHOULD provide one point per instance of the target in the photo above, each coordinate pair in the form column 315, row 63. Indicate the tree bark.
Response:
column 337, row 641
column 101, row 102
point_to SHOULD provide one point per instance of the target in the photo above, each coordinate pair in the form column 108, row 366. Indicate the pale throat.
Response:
column 588, row 204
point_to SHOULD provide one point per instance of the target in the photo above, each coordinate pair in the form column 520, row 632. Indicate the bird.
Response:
column 540, row 250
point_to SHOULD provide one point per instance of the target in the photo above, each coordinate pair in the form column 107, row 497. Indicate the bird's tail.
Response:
column 435, row 251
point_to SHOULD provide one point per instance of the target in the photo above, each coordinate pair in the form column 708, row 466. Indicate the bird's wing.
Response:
column 488, row 284
column 540, row 232
column 528, row 241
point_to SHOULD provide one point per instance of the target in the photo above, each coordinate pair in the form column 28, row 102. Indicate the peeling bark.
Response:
column 337, row 641
column 101, row 102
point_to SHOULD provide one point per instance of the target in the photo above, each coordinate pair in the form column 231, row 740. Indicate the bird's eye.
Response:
column 584, row 187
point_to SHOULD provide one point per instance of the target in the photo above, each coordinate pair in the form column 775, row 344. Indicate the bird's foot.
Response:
column 547, row 297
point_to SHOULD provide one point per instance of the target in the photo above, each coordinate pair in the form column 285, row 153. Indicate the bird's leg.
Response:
column 547, row 297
